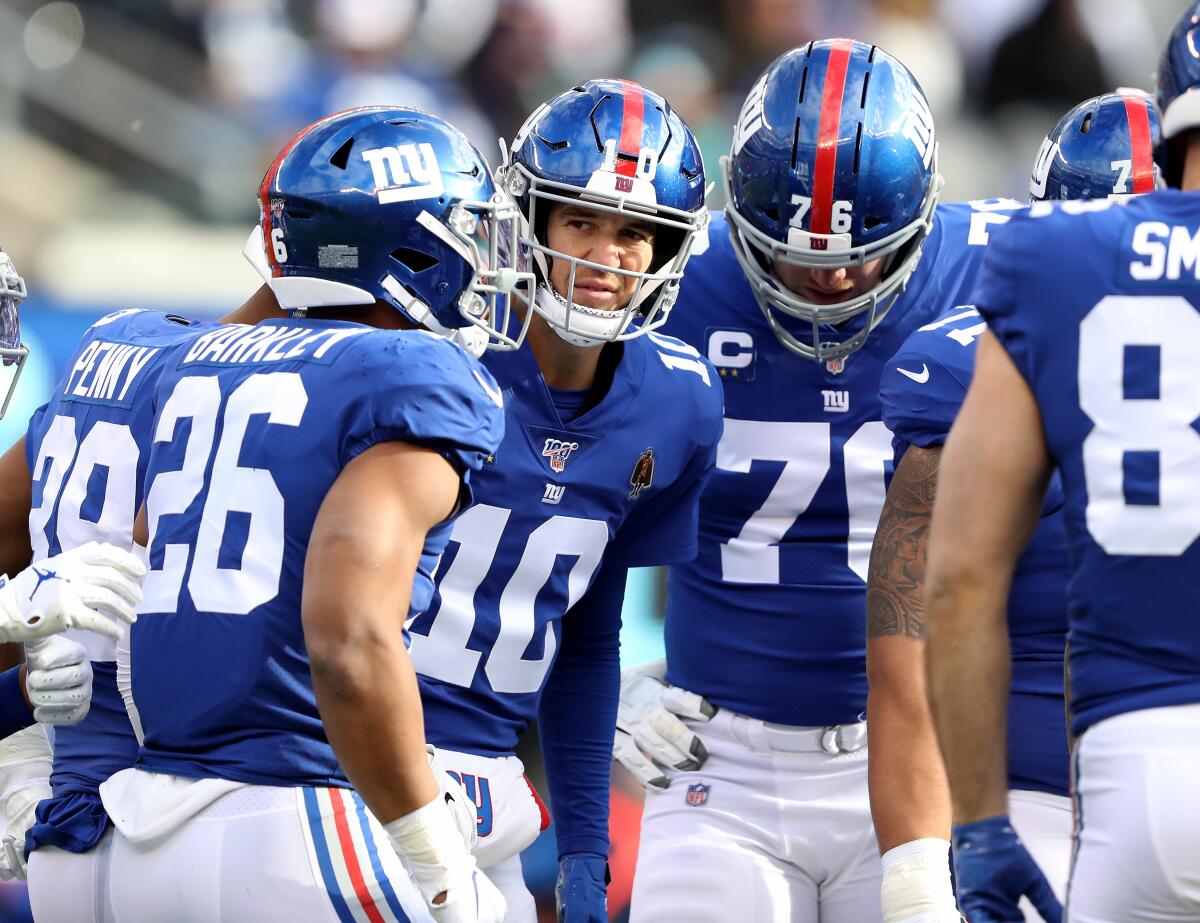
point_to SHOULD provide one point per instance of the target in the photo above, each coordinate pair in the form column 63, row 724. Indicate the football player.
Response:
column 611, row 430
column 1089, row 366
column 831, row 250
column 295, row 470
column 89, row 591
column 1100, row 148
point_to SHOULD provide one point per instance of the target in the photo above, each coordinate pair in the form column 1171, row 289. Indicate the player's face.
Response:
column 828, row 286
column 619, row 241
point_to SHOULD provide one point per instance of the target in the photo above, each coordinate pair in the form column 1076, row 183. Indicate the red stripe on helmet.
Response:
column 827, row 135
column 1138, row 112
column 264, row 190
column 632, row 124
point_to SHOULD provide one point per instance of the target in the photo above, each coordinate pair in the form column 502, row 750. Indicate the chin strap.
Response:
column 589, row 326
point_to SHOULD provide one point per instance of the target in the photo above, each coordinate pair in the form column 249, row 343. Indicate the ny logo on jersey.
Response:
column 558, row 451
column 405, row 172
column 554, row 493
column 836, row 401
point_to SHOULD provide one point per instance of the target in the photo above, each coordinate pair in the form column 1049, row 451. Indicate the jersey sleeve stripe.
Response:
column 1142, row 153
column 632, row 124
column 827, row 136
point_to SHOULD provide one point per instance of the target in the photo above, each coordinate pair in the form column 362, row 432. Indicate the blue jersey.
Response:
column 253, row 425
column 1097, row 305
column 768, row 619
column 922, row 389
column 621, row 482
column 87, row 451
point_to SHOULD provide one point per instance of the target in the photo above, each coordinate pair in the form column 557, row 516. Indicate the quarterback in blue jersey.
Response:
column 301, row 479
column 832, row 249
column 610, row 433
column 1087, row 367
column 1100, row 148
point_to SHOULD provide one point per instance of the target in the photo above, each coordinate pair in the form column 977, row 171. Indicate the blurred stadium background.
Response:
column 133, row 134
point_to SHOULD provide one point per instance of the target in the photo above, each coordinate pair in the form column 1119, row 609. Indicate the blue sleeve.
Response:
column 995, row 294
column 665, row 529
column 921, row 412
column 14, row 712
column 578, row 715
column 430, row 393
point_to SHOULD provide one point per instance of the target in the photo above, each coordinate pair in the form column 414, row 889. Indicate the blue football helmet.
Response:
column 616, row 147
column 392, row 204
column 833, row 164
column 1102, row 148
column 1178, row 86
column 12, row 351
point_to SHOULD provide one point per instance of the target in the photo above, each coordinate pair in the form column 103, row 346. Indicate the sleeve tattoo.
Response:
column 896, row 581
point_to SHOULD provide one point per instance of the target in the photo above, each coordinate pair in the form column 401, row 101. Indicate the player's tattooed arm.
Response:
column 895, row 585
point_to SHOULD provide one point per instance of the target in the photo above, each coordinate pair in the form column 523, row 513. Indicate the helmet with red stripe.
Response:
column 833, row 165
column 617, row 148
column 1103, row 147
column 383, row 203
column 1178, row 89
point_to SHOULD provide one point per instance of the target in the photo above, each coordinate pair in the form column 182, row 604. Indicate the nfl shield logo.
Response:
column 697, row 794
column 558, row 451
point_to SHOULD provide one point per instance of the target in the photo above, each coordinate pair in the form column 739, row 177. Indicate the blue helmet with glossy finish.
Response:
column 1103, row 147
column 833, row 164
column 390, row 204
column 615, row 147
column 1177, row 87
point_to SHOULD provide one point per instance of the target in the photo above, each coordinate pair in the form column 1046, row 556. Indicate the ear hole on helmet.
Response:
column 297, row 214
column 772, row 213
column 414, row 260
column 342, row 155
column 1087, row 124
column 872, row 221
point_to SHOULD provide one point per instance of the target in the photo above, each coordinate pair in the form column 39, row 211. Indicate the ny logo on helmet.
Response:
column 918, row 126
column 405, row 172
column 1041, row 168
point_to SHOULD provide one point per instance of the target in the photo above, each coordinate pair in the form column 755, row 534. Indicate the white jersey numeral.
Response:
column 1161, row 425
column 752, row 556
column 443, row 653
column 231, row 488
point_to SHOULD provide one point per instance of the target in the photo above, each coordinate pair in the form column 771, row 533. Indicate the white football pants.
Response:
column 1137, row 784
column 1045, row 823
column 259, row 853
column 67, row 887
column 774, row 828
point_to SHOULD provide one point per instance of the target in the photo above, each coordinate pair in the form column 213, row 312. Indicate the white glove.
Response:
column 95, row 587
column 25, row 760
column 649, row 729
column 466, row 817
column 58, row 680
column 916, row 883
column 430, row 845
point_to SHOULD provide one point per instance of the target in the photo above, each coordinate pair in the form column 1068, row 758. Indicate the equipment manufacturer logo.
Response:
column 558, row 451
column 405, row 172
column 697, row 794
column 643, row 474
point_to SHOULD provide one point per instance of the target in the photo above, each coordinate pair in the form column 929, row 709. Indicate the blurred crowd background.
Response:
column 134, row 133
